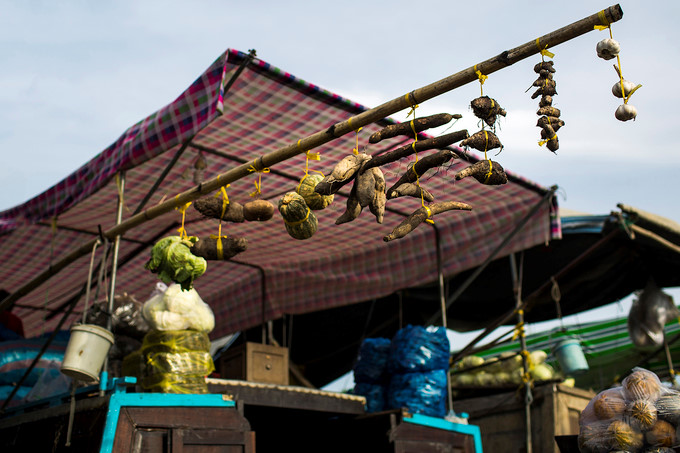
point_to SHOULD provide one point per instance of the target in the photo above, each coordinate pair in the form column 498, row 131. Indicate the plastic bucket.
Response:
column 570, row 356
column 86, row 351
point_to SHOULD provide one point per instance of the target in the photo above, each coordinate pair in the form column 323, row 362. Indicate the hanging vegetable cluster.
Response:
column 608, row 49
column 549, row 117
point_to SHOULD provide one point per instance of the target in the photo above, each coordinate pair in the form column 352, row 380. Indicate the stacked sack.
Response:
column 370, row 373
column 175, row 354
column 418, row 364
column 407, row 372
column 639, row 416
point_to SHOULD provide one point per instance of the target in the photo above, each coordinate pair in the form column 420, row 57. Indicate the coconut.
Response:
column 643, row 412
column 624, row 437
column 641, row 384
column 609, row 404
column 661, row 434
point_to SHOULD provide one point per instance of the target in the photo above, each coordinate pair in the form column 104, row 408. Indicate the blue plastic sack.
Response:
column 420, row 393
column 415, row 348
column 371, row 365
column 375, row 394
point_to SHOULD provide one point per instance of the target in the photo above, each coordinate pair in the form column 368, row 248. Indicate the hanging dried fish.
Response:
column 488, row 172
column 407, row 128
column 420, row 215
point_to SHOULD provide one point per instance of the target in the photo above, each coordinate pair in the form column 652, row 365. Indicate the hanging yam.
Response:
column 419, row 124
column 420, row 215
column 343, row 172
column 545, row 90
column 212, row 207
column 419, row 168
column 258, row 210
column 549, row 111
column 300, row 221
column 551, row 121
column 487, row 109
column 208, row 249
column 408, row 189
column 487, row 172
column 421, row 145
column 364, row 187
column 545, row 101
column 377, row 204
column 544, row 66
column 306, row 188
column 353, row 209
column 482, row 141
column 548, row 133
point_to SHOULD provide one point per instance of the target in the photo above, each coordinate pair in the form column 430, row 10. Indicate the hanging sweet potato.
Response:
column 420, row 215
column 343, row 172
column 407, row 127
column 487, row 172
column 212, row 207
column 231, row 246
column 352, row 210
column 408, row 189
column 258, row 210
column 487, row 109
column 419, row 168
column 377, row 204
column 483, row 141
column 364, row 187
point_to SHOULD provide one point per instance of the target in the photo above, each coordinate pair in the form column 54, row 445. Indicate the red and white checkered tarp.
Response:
column 264, row 110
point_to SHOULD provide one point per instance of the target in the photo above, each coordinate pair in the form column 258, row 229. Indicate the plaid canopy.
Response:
column 230, row 124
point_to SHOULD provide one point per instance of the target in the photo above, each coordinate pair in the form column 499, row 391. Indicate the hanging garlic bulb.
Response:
column 628, row 86
column 625, row 112
column 608, row 49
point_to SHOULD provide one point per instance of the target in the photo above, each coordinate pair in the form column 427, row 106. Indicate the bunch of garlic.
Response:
column 607, row 49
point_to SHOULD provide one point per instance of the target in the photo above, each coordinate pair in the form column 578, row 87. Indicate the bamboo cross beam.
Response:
column 504, row 59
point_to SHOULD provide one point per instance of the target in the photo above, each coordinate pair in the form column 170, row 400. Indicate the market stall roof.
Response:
column 231, row 118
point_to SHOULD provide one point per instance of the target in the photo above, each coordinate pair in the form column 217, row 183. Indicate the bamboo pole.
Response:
column 504, row 59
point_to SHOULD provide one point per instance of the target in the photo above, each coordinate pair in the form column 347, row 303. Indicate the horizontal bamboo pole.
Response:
column 507, row 58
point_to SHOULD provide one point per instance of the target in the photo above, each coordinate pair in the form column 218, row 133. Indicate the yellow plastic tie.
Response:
column 544, row 50
column 486, row 143
column 519, row 331
column 488, row 175
column 183, row 209
column 355, row 151
column 482, row 78
column 543, row 142
column 299, row 222
column 258, row 183
column 413, row 105
column 603, row 19
column 429, row 214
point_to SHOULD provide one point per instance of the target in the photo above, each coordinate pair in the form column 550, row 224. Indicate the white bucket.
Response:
column 86, row 351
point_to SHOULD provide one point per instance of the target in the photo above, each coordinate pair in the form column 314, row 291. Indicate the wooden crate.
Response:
column 255, row 362
column 555, row 411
